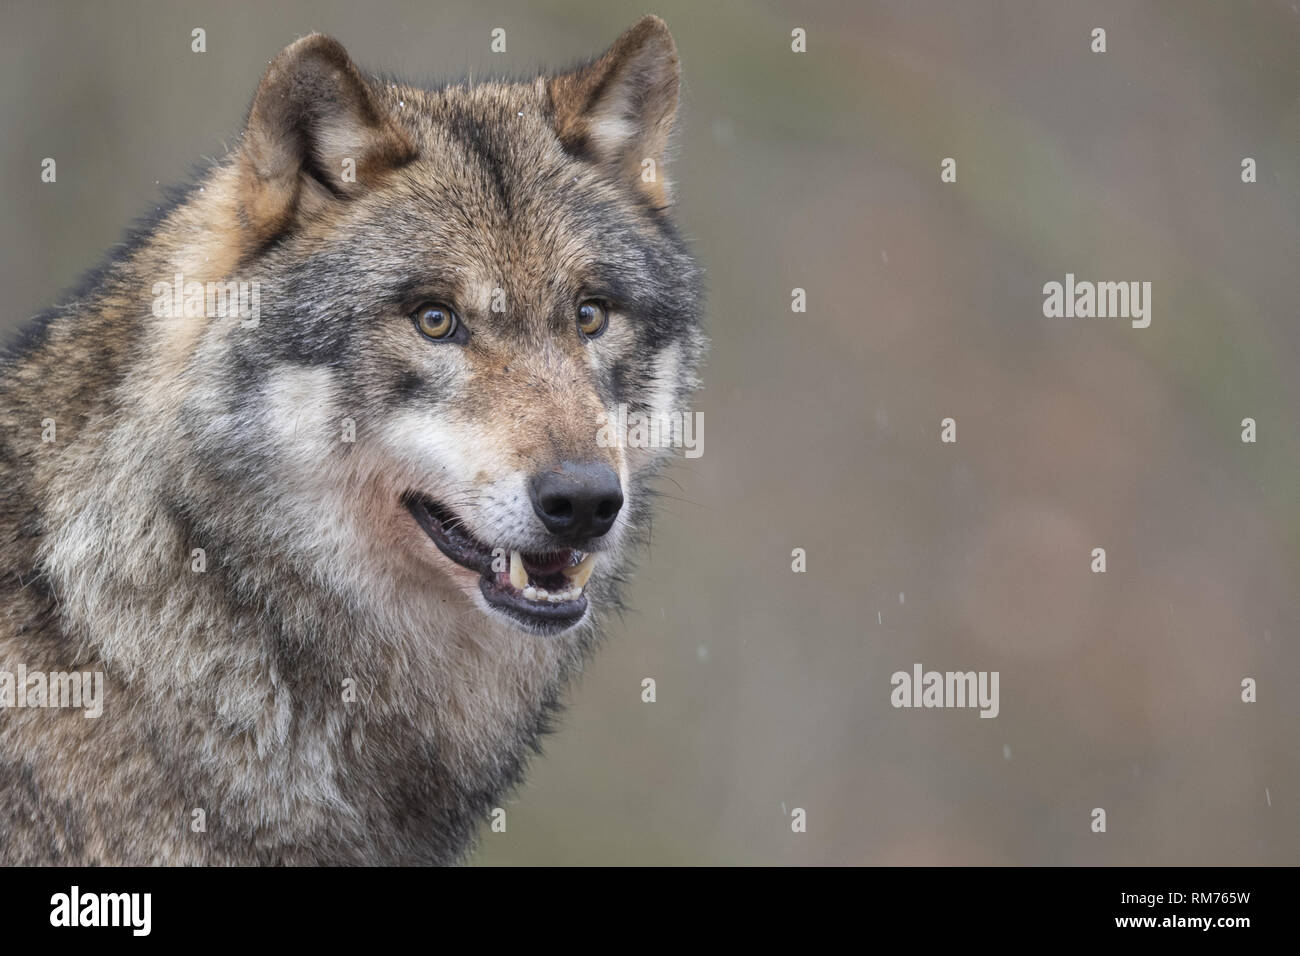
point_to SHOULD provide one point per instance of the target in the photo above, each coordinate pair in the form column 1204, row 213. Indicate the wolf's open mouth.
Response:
column 543, row 592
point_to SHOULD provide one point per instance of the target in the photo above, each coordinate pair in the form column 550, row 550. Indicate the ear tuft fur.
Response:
column 315, row 132
column 619, row 110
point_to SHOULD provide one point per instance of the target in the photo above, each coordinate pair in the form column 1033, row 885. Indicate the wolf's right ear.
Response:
column 315, row 134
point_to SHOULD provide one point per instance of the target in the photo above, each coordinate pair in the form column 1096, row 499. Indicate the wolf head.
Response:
column 457, row 289
column 392, row 473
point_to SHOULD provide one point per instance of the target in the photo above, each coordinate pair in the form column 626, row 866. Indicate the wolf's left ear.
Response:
column 619, row 110
column 315, row 134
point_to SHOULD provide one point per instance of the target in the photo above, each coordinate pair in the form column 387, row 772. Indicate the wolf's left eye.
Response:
column 593, row 316
column 436, row 321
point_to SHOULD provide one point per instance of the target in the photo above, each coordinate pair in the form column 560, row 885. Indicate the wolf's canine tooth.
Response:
column 518, row 576
column 580, row 573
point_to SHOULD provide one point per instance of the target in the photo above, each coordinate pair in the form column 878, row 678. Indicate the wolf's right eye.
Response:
column 436, row 321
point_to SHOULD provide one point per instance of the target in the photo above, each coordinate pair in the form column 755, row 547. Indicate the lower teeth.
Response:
column 541, row 594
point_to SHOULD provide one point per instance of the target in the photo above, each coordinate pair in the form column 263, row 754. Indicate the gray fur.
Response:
column 224, row 688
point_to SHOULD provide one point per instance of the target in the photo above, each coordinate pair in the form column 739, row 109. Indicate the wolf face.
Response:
column 500, row 276
column 393, row 477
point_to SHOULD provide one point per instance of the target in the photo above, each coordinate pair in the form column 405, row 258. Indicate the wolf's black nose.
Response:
column 577, row 500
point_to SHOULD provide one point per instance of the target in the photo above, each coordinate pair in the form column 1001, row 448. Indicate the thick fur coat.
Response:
column 215, row 513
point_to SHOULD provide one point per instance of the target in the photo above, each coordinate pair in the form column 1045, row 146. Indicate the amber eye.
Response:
column 593, row 316
column 436, row 321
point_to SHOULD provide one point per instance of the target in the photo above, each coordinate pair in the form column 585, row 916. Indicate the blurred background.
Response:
column 821, row 171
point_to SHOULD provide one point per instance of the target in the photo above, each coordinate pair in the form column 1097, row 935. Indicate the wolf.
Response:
column 338, row 557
